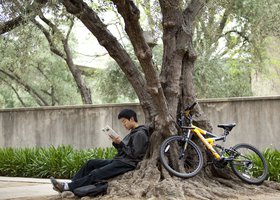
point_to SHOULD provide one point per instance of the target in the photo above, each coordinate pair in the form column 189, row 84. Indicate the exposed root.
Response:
column 150, row 181
column 127, row 187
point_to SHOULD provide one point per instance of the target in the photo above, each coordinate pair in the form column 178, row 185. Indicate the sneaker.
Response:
column 57, row 186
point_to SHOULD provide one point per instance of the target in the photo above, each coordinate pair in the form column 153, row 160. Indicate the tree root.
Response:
column 154, row 183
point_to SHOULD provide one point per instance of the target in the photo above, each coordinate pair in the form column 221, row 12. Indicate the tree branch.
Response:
column 131, row 15
column 15, row 91
column 193, row 9
column 38, row 98
column 48, row 37
column 70, row 29
column 22, row 19
column 66, row 55
column 91, row 20
column 223, row 21
column 240, row 33
column 11, row 24
column 52, row 94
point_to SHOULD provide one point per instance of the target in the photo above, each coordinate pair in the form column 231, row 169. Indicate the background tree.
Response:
column 50, row 83
column 58, row 40
column 112, row 86
column 230, row 43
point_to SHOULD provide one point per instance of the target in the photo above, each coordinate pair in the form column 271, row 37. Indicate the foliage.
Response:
column 64, row 161
column 220, row 78
column 61, row 161
column 112, row 85
column 272, row 157
column 229, row 40
column 230, row 43
column 24, row 56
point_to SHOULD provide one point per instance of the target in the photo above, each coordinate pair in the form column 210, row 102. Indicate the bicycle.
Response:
column 242, row 158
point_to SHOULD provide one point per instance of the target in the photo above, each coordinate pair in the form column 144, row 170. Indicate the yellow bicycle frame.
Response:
column 208, row 142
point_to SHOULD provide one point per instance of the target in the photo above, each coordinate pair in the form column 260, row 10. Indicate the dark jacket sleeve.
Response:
column 137, row 145
column 117, row 146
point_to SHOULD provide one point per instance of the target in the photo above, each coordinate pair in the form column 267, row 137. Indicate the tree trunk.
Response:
column 159, row 97
column 77, row 74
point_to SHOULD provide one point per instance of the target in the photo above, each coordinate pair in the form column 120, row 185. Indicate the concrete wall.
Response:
column 257, row 119
column 257, row 123
column 79, row 126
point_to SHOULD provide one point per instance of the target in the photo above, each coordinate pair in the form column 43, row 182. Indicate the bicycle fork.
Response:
column 185, row 145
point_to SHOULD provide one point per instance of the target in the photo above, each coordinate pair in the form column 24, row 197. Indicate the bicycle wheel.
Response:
column 249, row 164
column 180, row 163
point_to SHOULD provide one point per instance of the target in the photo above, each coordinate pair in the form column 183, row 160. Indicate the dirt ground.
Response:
column 265, row 196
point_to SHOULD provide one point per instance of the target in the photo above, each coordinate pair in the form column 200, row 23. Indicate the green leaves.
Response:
column 272, row 157
column 113, row 87
column 61, row 161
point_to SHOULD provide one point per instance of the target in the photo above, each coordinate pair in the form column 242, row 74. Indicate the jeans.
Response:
column 98, row 169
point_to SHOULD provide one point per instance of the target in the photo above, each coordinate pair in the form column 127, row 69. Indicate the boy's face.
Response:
column 128, row 124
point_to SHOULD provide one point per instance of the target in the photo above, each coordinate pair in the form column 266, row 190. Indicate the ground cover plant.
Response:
column 272, row 157
column 64, row 161
column 43, row 162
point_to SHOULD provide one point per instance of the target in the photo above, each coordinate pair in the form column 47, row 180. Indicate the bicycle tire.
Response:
column 187, row 166
column 249, row 164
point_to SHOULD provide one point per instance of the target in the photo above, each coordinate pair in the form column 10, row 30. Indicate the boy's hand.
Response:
column 116, row 140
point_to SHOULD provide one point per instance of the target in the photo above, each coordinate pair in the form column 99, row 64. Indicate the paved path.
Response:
column 12, row 188
column 15, row 188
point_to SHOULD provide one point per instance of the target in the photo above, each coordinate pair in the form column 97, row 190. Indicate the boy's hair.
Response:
column 127, row 114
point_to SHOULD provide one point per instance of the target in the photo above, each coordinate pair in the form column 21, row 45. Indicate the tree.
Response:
column 58, row 40
column 23, row 56
column 161, row 92
column 226, row 46
column 221, row 41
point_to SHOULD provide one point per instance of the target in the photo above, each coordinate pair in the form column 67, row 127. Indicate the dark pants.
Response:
column 97, row 169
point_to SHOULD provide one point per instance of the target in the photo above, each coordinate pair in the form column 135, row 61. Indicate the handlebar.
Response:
column 189, row 108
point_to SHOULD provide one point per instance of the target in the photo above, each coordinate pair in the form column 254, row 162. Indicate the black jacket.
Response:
column 133, row 147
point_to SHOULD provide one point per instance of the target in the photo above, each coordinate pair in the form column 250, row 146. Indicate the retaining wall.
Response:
column 257, row 123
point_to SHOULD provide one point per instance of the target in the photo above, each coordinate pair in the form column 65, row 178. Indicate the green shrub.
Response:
column 60, row 162
column 272, row 157
column 64, row 161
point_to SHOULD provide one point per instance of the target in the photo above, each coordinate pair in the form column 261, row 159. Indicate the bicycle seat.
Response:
column 227, row 127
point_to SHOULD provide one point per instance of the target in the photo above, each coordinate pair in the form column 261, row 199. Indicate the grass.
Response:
column 61, row 161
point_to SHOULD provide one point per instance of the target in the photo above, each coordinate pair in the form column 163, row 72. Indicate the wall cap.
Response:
column 210, row 100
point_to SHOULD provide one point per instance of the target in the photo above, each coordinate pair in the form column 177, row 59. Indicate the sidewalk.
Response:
column 20, row 188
